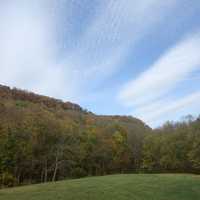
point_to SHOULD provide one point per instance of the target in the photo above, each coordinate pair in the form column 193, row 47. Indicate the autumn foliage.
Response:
column 43, row 139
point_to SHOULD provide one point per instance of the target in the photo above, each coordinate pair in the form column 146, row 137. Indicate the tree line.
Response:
column 42, row 142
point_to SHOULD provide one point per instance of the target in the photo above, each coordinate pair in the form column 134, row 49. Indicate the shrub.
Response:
column 78, row 172
column 7, row 180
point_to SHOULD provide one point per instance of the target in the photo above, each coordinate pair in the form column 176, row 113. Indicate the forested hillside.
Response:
column 43, row 139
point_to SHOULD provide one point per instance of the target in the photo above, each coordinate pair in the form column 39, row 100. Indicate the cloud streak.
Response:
column 29, row 52
column 32, row 36
column 154, row 114
column 164, row 75
column 147, row 95
column 118, row 26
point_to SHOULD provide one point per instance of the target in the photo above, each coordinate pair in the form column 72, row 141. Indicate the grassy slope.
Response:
column 130, row 187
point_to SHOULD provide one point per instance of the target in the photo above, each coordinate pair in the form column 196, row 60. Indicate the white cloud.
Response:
column 164, row 75
column 153, row 114
column 149, row 94
column 118, row 25
column 29, row 50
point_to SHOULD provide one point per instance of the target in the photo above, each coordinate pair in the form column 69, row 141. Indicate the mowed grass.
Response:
column 113, row 187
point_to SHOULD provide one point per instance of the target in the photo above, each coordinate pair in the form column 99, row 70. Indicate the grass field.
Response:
column 114, row 187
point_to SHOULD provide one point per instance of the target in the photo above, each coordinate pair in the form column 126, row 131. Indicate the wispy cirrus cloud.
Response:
column 158, row 112
column 147, row 93
column 118, row 25
column 40, row 43
column 28, row 48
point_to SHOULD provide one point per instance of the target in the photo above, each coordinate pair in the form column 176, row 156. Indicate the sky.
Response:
column 119, row 57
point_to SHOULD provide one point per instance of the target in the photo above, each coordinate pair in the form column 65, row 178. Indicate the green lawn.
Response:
column 114, row 187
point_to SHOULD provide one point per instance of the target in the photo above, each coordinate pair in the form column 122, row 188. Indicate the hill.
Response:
column 115, row 187
column 25, row 97
column 44, row 139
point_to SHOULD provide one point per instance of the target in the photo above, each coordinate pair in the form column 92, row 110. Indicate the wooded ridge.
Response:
column 44, row 139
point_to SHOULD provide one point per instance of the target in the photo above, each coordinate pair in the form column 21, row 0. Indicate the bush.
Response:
column 7, row 180
column 78, row 172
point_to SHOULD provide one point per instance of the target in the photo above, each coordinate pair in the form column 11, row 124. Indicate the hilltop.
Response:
column 7, row 93
column 44, row 139
column 23, row 95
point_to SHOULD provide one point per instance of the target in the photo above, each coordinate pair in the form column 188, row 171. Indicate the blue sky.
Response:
column 139, row 58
